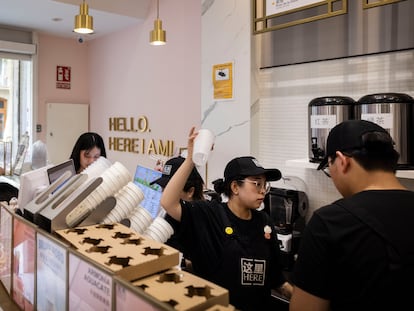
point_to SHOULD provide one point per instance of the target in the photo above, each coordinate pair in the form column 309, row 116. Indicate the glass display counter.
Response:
column 41, row 272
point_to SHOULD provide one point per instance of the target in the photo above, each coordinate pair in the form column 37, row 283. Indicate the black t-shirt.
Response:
column 343, row 260
column 232, row 252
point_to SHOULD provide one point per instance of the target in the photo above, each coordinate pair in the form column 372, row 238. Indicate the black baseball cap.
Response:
column 169, row 169
column 249, row 166
column 347, row 135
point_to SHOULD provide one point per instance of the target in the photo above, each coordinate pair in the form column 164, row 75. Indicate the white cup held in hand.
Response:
column 202, row 146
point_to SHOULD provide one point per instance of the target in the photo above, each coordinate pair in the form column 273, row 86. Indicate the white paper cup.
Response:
column 96, row 168
column 138, row 224
column 123, row 207
column 152, row 235
column 202, row 146
column 134, row 191
column 161, row 228
column 140, row 219
column 109, row 219
column 161, row 223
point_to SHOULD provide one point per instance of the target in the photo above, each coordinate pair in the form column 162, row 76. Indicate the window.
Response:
column 3, row 116
column 16, row 94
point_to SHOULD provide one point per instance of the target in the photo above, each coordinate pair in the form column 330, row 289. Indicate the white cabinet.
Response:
column 65, row 123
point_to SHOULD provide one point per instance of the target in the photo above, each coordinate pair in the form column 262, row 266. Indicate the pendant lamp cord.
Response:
column 158, row 9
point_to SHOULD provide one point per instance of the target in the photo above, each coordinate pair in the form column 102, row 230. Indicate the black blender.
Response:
column 287, row 208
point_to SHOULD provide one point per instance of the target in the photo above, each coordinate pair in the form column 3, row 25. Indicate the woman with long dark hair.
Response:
column 87, row 149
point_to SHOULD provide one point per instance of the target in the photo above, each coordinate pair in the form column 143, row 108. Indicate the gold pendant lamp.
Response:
column 158, row 36
column 83, row 21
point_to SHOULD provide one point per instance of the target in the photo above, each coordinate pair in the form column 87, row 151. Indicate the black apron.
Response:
column 245, row 264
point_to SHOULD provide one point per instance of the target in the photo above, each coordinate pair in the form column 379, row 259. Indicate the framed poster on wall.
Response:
column 223, row 81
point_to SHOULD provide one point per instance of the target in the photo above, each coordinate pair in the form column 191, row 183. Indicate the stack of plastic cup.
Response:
column 113, row 179
column 127, row 199
column 96, row 168
column 159, row 230
column 140, row 219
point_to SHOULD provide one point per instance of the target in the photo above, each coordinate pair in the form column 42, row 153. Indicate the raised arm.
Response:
column 170, row 199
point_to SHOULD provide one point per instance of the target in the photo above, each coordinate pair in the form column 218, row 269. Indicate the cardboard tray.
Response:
column 122, row 250
column 184, row 291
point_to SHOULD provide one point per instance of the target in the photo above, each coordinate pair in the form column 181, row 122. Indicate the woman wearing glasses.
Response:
column 231, row 244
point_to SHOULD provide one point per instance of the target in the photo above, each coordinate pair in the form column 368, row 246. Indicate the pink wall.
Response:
column 122, row 75
column 54, row 51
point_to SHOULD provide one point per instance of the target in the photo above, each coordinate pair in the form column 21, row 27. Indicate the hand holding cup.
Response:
column 203, row 144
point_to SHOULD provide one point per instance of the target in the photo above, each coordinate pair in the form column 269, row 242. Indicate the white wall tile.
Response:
column 284, row 96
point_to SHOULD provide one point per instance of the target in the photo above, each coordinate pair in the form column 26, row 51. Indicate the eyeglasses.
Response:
column 260, row 185
column 331, row 160
column 326, row 171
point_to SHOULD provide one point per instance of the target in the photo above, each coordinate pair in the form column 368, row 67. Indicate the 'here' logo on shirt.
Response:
column 253, row 271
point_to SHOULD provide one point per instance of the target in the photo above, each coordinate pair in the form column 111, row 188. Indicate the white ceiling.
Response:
column 57, row 17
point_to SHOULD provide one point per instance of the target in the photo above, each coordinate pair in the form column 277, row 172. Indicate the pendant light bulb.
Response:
column 83, row 21
column 158, row 35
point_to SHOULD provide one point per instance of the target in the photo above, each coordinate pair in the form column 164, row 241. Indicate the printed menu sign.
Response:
column 51, row 266
column 89, row 287
column 24, row 249
column 279, row 6
column 125, row 298
column 5, row 248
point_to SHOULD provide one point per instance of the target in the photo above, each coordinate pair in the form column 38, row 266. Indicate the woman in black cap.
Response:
column 193, row 190
column 231, row 244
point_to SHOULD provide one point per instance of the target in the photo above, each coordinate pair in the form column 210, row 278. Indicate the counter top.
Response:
column 277, row 295
column 12, row 180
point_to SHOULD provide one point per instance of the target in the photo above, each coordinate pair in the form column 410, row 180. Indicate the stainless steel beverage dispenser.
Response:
column 394, row 112
column 287, row 208
column 324, row 113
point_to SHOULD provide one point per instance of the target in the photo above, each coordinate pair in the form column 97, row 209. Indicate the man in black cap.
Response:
column 358, row 252
column 231, row 244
